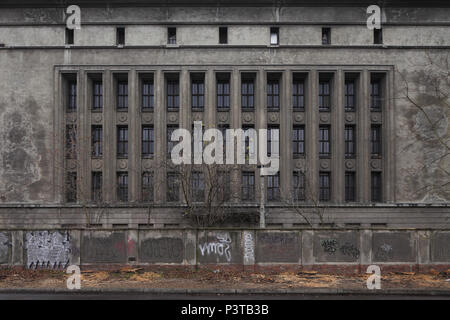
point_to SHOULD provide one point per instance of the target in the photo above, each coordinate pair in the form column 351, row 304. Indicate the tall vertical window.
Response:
column 122, row 141
column 298, row 95
column 97, row 103
column 122, row 95
column 71, row 141
column 350, row 186
column 96, row 194
column 298, row 141
column 274, row 35
column 223, row 35
column 97, row 141
column 69, row 36
column 324, row 186
column 120, row 36
column 122, row 186
column 148, row 95
column 72, row 96
column 375, row 140
column 376, row 192
column 377, row 36
column 273, row 139
column 171, row 35
column 350, row 141
column 324, row 96
column 148, row 141
column 223, row 94
column 173, row 187
column 247, row 93
column 198, row 93
column 324, row 141
column 273, row 187
column 170, row 143
column 71, row 187
column 248, row 141
column 248, row 186
column 299, row 186
column 224, row 182
column 173, row 94
column 350, row 99
column 375, row 95
column 198, row 187
column 273, row 94
column 326, row 36
column 147, row 187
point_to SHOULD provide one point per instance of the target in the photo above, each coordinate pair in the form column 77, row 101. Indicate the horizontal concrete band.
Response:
column 232, row 247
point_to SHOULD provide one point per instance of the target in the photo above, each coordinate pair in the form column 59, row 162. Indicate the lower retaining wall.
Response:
column 252, row 248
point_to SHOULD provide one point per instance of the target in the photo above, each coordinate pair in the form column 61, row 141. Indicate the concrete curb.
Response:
column 231, row 292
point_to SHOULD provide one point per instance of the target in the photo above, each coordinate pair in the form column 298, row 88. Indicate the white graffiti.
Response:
column 47, row 249
column 249, row 253
column 220, row 247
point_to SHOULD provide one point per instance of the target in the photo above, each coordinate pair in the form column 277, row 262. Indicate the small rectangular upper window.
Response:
column 69, row 36
column 274, row 35
column 326, row 36
column 223, row 35
column 120, row 36
column 377, row 36
column 171, row 35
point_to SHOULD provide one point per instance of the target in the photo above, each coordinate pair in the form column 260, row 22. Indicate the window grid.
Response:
column 122, row 187
column 324, row 96
column 350, row 187
column 223, row 94
column 298, row 141
column 198, row 187
column 173, row 94
column 147, row 187
column 298, row 95
column 376, row 191
column 273, row 94
column 122, row 142
column 324, row 186
column 173, row 191
column 375, row 95
column 198, row 94
column 375, row 141
column 97, row 187
column 248, row 186
column 299, row 186
column 72, row 96
column 97, row 141
column 148, row 141
column 350, row 141
column 148, row 95
column 247, row 94
column 97, row 103
column 324, row 141
column 350, row 99
column 273, row 187
column 122, row 95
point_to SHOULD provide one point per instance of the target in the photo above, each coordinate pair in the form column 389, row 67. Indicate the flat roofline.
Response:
column 225, row 3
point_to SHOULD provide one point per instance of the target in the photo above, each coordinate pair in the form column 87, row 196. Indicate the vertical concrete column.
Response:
column 423, row 246
column 132, row 246
column 389, row 138
column 366, row 247
column 363, row 131
column 260, row 121
column 134, row 129
column 210, row 105
column 75, row 247
column 312, row 129
column 17, row 253
column 235, row 123
column 185, row 114
column 83, row 147
column 160, row 137
column 307, row 247
column 108, row 138
column 337, row 143
column 285, row 135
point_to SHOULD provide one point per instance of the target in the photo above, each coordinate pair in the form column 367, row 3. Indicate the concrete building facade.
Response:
column 363, row 136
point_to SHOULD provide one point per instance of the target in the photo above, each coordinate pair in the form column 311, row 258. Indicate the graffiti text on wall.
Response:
column 47, row 249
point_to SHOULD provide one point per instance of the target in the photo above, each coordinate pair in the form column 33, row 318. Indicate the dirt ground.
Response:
column 210, row 279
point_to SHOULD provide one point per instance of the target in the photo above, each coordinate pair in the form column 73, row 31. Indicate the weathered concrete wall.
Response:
column 228, row 247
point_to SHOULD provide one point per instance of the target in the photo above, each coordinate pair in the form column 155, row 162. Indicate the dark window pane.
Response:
column 324, row 186
column 173, row 191
column 122, row 141
column 148, row 98
column 97, row 141
column 376, row 190
column 298, row 140
column 350, row 186
column 147, row 187
column 122, row 187
column 148, row 141
column 71, row 187
column 97, row 187
column 248, row 186
column 324, row 141
column 350, row 142
column 299, row 186
column 122, row 95
column 97, row 103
